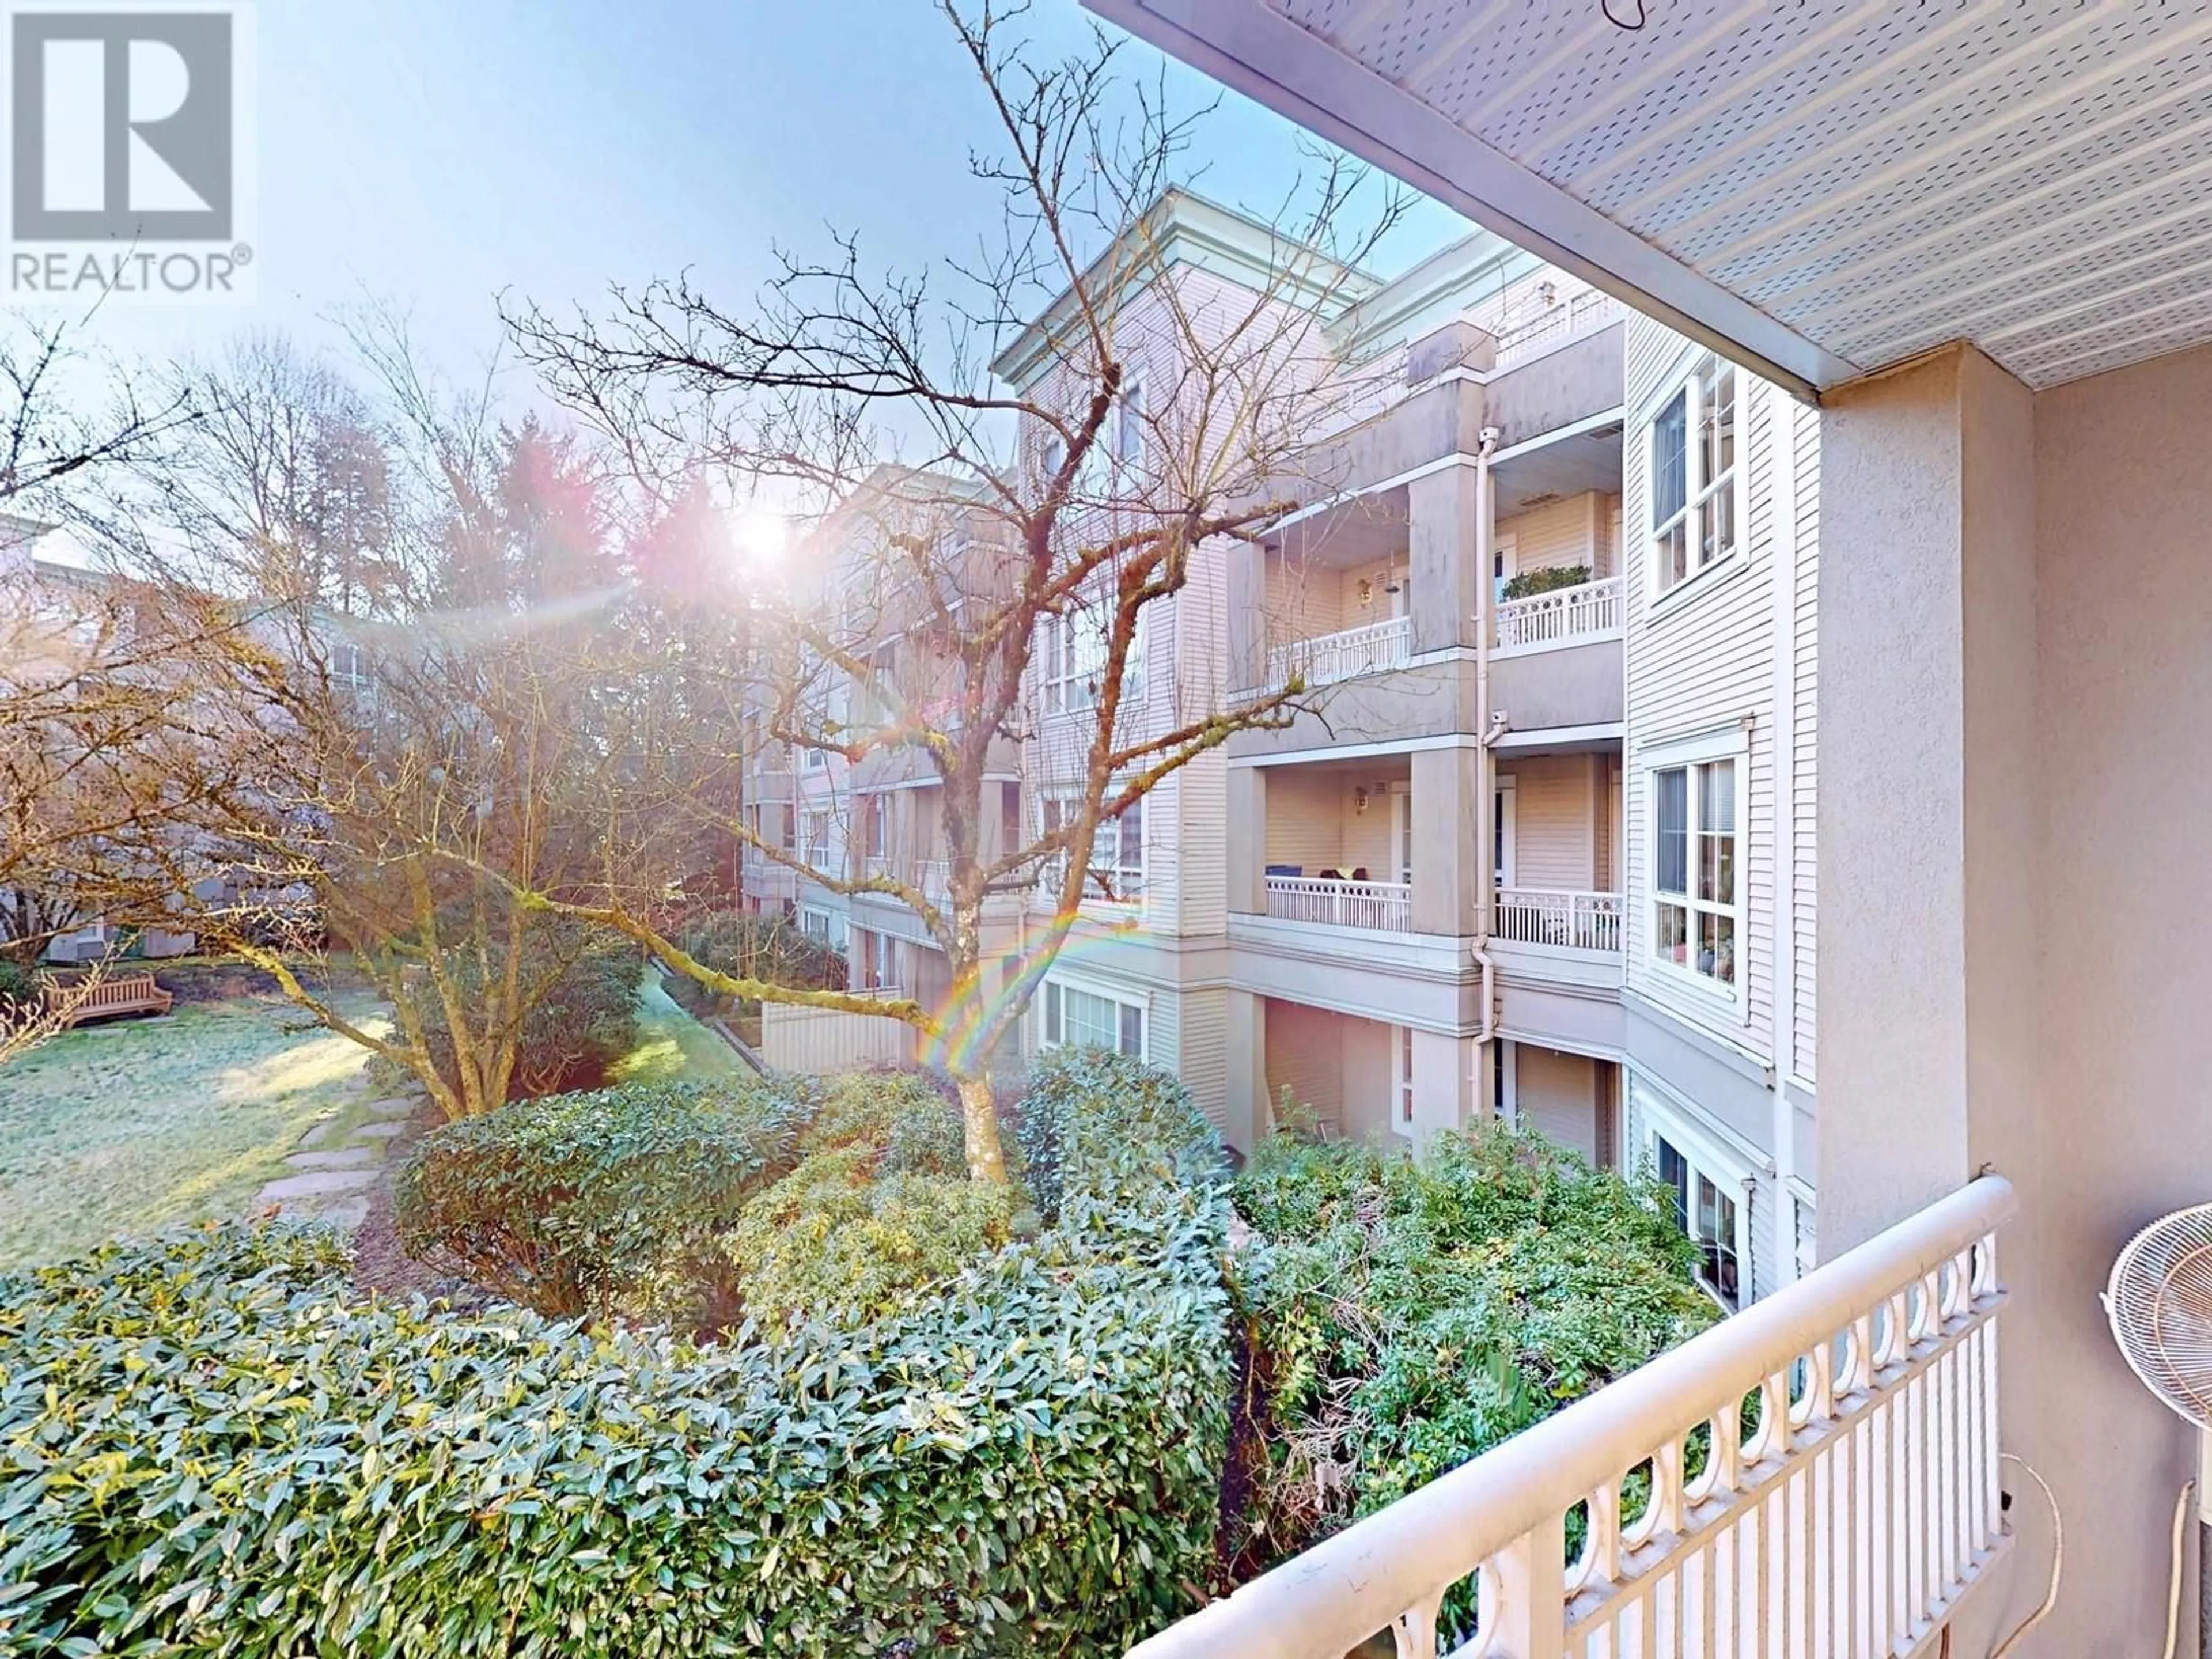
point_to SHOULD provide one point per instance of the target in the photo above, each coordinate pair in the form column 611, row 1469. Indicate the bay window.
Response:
column 1696, row 873
column 1694, row 442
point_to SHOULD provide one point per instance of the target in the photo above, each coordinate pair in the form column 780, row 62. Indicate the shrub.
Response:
column 901, row 1116
column 19, row 986
column 1408, row 1315
column 214, row 1446
column 764, row 947
column 585, row 1020
column 607, row 1204
column 1548, row 578
column 880, row 1209
column 837, row 1239
column 1128, row 1125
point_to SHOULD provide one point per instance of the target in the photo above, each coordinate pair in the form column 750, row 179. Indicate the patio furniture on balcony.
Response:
column 1562, row 617
column 1848, row 1520
column 1567, row 919
column 1341, row 901
column 1327, row 659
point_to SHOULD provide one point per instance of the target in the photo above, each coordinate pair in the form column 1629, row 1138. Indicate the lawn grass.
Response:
column 671, row 1044
column 131, row 1126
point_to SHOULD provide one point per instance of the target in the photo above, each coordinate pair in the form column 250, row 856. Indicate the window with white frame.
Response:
column 874, row 954
column 1075, row 660
column 1694, row 445
column 1129, row 425
column 1708, row 1207
column 1116, row 871
column 814, row 923
column 1050, row 458
column 1405, row 1081
column 815, row 847
column 349, row 666
column 875, row 812
column 1082, row 1017
column 1697, row 874
column 1071, row 656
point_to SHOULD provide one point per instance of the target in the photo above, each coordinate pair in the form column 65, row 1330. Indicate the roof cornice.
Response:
column 1185, row 230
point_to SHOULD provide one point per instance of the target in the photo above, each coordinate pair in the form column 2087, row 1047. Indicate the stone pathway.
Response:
column 330, row 1181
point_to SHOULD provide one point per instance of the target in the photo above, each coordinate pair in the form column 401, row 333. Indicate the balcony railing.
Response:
column 1847, row 1521
column 1329, row 658
column 1562, row 616
column 1584, row 313
column 1385, row 906
column 1573, row 920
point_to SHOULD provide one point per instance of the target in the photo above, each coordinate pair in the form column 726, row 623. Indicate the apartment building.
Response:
column 1536, row 841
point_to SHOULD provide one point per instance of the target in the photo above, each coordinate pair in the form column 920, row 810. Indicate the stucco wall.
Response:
column 2016, row 950
column 2124, row 637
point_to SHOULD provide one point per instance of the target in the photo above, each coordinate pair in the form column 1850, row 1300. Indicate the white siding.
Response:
column 1703, row 660
column 1305, row 1055
column 1556, row 1095
column 1805, row 729
column 1554, row 822
column 1202, row 1044
column 1573, row 529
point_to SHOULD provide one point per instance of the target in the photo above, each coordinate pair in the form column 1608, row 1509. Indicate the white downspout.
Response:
column 1491, row 728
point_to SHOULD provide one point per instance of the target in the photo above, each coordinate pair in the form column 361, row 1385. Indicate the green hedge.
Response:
column 609, row 1204
column 214, row 1446
column 1407, row 1315
column 749, row 947
column 879, row 1209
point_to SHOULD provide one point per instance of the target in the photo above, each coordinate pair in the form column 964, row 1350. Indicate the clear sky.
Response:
column 435, row 153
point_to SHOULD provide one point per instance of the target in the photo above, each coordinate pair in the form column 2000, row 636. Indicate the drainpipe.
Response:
column 1492, row 727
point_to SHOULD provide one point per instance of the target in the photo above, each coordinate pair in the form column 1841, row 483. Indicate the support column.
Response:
column 1450, row 1074
column 1929, row 968
column 1245, row 833
column 1929, row 960
column 1247, row 581
column 1245, row 1114
column 1452, row 869
column 1442, row 553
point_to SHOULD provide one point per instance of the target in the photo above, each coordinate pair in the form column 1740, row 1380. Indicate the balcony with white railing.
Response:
column 1565, row 615
column 1560, row 920
column 1379, row 906
column 1582, row 314
column 1850, row 1520
column 1328, row 658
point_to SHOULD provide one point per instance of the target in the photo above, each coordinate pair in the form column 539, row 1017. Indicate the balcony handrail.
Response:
column 1591, row 309
column 1342, row 901
column 1577, row 919
column 1561, row 615
column 1899, row 1305
column 1327, row 659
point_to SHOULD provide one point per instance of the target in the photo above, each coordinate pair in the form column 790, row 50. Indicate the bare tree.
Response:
column 397, row 737
column 80, row 717
column 999, row 540
column 52, row 432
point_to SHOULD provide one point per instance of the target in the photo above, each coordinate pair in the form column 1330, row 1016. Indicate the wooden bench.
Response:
column 131, row 993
